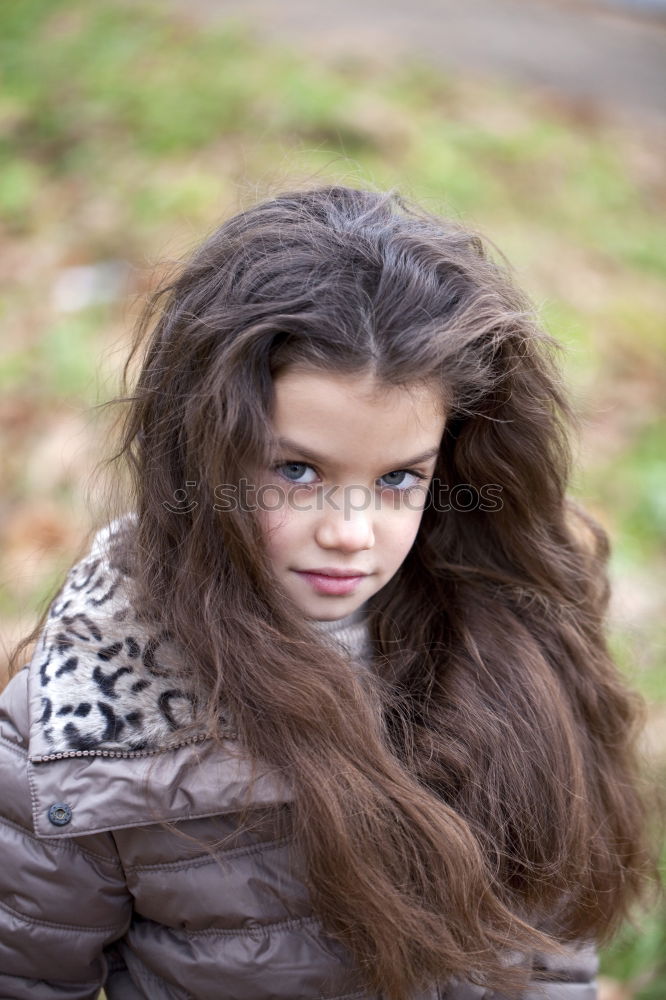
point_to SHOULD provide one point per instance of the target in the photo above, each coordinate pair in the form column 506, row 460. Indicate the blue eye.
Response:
column 401, row 486
column 293, row 471
column 402, row 480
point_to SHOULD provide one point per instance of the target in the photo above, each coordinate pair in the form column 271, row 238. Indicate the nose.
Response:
column 348, row 529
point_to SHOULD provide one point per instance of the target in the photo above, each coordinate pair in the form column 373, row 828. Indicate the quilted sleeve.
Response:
column 61, row 901
column 572, row 977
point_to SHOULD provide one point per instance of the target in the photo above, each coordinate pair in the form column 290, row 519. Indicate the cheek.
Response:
column 275, row 527
column 281, row 526
column 401, row 533
column 270, row 507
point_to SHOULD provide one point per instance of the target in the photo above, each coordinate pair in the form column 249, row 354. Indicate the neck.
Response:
column 351, row 632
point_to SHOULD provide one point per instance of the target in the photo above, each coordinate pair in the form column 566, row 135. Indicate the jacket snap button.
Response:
column 60, row 814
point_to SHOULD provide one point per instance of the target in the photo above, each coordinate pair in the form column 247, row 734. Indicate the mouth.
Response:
column 335, row 582
column 337, row 573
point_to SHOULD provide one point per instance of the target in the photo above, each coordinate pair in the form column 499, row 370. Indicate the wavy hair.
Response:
column 478, row 789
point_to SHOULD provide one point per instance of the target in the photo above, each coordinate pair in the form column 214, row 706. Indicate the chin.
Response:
column 330, row 617
column 330, row 609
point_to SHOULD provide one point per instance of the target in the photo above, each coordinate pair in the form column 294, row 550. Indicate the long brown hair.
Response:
column 478, row 790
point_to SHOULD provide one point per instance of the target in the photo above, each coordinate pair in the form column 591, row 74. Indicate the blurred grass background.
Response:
column 128, row 132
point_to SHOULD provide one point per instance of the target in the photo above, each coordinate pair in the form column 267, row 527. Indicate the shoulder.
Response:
column 98, row 677
column 14, row 716
column 15, row 803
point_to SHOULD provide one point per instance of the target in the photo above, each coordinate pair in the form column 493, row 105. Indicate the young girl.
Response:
column 328, row 713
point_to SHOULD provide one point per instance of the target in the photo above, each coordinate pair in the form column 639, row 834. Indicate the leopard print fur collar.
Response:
column 98, row 680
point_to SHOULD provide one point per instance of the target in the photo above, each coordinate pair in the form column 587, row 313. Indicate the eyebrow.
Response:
column 290, row 445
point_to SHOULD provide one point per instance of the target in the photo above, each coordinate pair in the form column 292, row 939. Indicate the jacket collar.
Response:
column 98, row 680
column 103, row 792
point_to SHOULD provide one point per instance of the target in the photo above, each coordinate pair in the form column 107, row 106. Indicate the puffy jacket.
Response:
column 96, row 892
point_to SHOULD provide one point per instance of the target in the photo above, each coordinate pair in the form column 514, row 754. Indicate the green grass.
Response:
column 638, row 956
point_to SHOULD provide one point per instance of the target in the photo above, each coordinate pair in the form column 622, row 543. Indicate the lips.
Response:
column 329, row 571
column 335, row 582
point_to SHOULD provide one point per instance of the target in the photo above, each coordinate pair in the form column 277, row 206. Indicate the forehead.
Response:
column 354, row 418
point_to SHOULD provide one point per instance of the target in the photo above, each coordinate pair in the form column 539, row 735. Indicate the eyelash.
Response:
column 412, row 472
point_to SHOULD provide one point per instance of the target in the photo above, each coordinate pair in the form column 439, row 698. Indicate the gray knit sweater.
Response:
column 351, row 632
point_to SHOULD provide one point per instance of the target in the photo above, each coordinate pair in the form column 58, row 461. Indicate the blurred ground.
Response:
column 608, row 57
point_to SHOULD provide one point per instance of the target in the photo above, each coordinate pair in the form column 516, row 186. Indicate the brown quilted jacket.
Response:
column 95, row 892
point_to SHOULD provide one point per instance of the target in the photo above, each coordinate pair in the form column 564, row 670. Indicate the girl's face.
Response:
column 342, row 503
